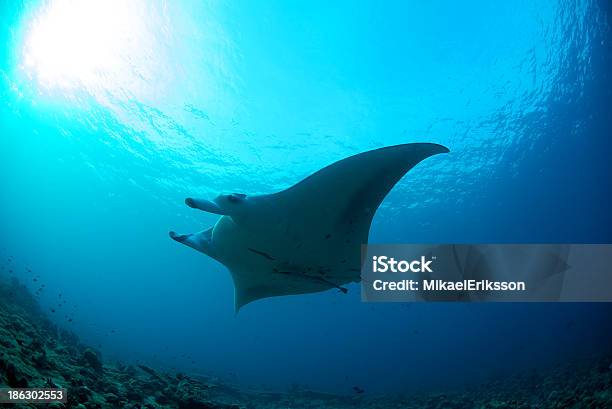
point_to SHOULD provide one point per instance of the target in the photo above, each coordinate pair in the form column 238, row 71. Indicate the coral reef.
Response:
column 36, row 353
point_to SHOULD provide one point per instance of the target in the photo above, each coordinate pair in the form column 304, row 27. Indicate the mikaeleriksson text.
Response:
column 384, row 264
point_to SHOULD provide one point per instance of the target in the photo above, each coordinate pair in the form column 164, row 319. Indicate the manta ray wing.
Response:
column 352, row 189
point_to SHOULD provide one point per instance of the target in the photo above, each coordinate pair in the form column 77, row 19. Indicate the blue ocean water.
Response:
column 113, row 112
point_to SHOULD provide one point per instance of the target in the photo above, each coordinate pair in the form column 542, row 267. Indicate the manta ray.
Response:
column 306, row 238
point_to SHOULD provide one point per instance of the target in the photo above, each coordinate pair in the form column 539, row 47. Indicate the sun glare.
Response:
column 84, row 43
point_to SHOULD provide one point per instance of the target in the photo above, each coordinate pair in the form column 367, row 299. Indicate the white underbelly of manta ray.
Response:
column 308, row 237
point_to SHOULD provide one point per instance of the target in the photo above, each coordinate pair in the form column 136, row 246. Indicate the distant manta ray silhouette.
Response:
column 308, row 237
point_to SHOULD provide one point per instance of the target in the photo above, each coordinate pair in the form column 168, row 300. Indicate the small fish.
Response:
column 261, row 253
column 357, row 389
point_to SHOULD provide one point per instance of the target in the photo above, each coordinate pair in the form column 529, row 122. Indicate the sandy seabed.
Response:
column 34, row 352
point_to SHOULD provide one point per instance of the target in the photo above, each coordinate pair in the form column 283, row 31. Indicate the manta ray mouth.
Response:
column 178, row 237
column 199, row 241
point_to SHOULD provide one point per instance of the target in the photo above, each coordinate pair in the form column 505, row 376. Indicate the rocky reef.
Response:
column 34, row 352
